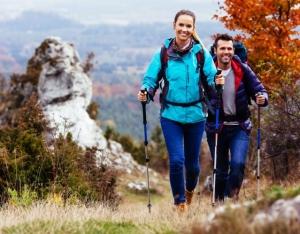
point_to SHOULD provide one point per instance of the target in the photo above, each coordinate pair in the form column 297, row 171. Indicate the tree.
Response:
column 57, row 166
column 93, row 110
column 270, row 31
column 22, row 157
column 88, row 64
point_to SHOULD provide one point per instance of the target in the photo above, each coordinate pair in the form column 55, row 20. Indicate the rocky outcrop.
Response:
column 123, row 160
column 65, row 91
column 285, row 211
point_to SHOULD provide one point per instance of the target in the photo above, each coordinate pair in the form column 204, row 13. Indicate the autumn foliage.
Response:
column 269, row 31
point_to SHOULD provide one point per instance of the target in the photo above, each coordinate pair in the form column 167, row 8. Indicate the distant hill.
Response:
column 38, row 21
column 122, row 53
column 127, row 45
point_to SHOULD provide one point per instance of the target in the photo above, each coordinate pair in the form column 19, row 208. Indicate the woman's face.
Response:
column 184, row 27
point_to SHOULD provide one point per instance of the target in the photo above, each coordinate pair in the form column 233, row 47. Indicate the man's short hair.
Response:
column 224, row 37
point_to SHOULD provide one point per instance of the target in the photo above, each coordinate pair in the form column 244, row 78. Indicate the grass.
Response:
column 91, row 226
column 129, row 218
column 132, row 215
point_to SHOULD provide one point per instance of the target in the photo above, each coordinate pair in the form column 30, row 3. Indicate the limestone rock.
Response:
column 65, row 91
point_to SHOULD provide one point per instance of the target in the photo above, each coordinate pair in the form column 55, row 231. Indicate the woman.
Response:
column 182, row 115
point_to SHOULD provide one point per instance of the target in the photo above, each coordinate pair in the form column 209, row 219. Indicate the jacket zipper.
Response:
column 188, row 76
column 188, row 81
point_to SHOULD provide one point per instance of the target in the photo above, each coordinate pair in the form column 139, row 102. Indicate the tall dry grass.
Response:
column 162, row 219
column 162, row 216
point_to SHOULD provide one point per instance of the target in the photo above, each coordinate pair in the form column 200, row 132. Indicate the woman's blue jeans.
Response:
column 183, row 143
column 233, row 141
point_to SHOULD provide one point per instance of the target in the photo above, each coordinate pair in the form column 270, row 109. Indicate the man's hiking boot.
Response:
column 181, row 207
column 189, row 197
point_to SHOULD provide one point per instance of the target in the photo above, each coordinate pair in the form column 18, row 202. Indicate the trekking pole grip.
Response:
column 144, row 108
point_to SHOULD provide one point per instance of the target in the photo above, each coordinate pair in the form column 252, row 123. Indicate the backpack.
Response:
column 241, row 51
column 203, row 85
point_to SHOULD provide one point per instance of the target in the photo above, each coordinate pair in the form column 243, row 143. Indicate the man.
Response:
column 234, row 122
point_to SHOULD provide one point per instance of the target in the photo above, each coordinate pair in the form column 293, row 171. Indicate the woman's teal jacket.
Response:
column 183, row 77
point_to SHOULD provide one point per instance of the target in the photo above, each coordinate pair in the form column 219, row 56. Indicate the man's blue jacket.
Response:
column 244, row 77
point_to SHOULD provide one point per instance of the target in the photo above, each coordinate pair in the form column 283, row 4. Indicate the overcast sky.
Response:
column 112, row 11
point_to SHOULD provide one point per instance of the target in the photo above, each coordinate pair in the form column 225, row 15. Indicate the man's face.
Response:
column 224, row 52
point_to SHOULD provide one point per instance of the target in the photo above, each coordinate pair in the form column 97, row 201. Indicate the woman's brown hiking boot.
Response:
column 189, row 197
column 180, row 207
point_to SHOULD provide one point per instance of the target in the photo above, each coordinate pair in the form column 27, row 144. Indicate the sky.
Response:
column 112, row 11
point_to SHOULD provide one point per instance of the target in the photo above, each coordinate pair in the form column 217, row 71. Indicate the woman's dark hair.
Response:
column 224, row 37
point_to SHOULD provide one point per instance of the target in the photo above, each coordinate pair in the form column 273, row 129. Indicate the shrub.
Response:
column 29, row 166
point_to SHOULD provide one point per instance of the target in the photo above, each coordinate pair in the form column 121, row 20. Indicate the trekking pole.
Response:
column 258, row 147
column 146, row 148
column 218, row 105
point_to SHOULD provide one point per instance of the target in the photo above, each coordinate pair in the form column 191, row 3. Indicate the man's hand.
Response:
column 220, row 80
column 260, row 99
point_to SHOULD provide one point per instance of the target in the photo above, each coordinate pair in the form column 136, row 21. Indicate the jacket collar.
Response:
column 196, row 47
column 236, row 65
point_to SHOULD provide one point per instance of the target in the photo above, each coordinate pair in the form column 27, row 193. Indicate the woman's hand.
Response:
column 142, row 96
